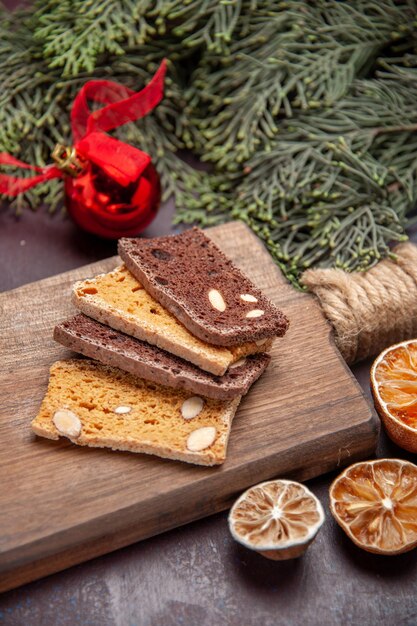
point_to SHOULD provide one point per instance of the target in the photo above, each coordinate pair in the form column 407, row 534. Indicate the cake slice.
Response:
column 119, row 300
column 100, row 406
column 111, row 347
column 194, row 280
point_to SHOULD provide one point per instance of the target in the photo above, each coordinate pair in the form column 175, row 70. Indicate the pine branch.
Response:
column 299, row 60
column 75, row 33
column 305, row 111
column 216, row 30
column 335, row 188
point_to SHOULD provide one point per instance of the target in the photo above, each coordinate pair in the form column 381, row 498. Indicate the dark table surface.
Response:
column 197, row 575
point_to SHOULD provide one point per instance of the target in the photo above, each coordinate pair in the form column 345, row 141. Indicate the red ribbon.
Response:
column 121, row 105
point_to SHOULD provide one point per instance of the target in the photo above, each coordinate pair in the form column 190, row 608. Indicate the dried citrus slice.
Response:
column 375, row 502
column 394, row 387
column 278, row 519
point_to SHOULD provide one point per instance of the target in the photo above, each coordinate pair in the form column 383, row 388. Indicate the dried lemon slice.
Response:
column 394, row 387
column 375, row 502
column 278, row 519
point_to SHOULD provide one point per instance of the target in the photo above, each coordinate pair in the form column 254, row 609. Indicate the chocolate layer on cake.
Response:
column 92, row 339
column 192, row 278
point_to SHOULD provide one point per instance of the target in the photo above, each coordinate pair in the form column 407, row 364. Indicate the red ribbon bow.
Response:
column 121, row 162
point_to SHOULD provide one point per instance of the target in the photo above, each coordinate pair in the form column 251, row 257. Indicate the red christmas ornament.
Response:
column 105, row 208
column 109, row 201
column 112, row 189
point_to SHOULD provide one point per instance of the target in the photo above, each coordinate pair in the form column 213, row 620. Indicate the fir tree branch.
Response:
column 74, row 33
column 305, row 110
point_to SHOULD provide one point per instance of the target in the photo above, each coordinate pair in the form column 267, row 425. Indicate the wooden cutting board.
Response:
column 61, row 504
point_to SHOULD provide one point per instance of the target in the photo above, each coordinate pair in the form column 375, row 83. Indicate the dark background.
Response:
column 197, row 575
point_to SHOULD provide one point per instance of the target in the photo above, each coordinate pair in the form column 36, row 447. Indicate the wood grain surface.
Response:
column 65, row 504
